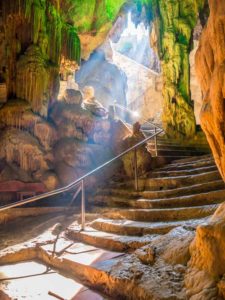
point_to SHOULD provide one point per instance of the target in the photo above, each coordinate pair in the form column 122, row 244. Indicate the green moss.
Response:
column 71, row 45
column 92, row 15
column 174, row 21
column 113, row 7
column 50, row 31
column 82, row 14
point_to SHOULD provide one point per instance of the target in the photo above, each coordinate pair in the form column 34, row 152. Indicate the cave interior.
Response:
column 112, row 149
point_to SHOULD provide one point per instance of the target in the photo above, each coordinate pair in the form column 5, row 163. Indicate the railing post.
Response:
column 135, row 170
column 156, row 146
column 82, row 206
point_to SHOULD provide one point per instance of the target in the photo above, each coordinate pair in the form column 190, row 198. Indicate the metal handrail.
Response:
column 145, row 121
column 80, row 181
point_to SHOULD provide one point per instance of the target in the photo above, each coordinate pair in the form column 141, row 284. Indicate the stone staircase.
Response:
column 106, row 257
column 182, row 193
column 172, row 149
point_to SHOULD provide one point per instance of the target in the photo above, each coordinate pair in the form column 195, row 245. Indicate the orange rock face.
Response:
column 210, row 66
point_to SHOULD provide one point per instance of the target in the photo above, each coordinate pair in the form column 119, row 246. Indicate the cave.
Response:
column 112, row 149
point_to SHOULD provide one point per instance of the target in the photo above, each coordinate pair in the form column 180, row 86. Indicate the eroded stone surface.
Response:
column 210, row 59
column 206, row 266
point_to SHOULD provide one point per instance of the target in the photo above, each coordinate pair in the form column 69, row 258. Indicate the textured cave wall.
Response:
column 210, row 66
column 172, row 32
column 196, row 92
column 35, row 36
column 93, row 19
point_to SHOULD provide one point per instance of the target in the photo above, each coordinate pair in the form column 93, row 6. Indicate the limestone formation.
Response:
column 172, row 36
column 35, row 35
column 210, row 60
column 18, row 114
column 142, row 155
column 204, row 278
column 72, row 120
column 74, row 159
column 21, row 148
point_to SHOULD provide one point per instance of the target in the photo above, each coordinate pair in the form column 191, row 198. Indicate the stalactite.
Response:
column 54, row 28
column 71, row 49
column 39, row 18
column 174, row 22
column 21, row 148
column 36, row 38
column 18, row 115
column 33, row 76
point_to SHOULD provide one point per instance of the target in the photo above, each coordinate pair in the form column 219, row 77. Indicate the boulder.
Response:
column 74, row 121
column 72, row 96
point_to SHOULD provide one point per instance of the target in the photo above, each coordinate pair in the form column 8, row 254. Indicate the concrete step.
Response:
column 103, row 195
column 158, row 215
column 135, row 228
column 109, row 241
column 213, row 197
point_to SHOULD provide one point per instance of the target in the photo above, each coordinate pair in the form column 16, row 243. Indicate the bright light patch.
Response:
column 36, row 287
column 135, row 114
column 131, row 30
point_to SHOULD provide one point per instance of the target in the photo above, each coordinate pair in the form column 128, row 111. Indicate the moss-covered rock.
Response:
column 174, row 22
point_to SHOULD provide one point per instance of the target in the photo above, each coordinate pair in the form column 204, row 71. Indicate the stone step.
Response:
column 178, row 152
column 109, row 241
column 188, row 165
column 173, row 182
column 166, row 173
column 111, row 273
column 103, row 195
column 162, row 142
column 135, row 228
column 213, row 197
column 158, row 215
column 193, row 159
column 163, row 146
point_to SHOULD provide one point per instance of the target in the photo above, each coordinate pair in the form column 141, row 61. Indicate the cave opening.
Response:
column 124, row 69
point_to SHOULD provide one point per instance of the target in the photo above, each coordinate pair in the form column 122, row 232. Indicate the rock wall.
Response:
column 73, row 141
column 94, row 19
column 196, row 92
column 172, row 32
column 35, row 36
column 43, row 140
column 205, row 275
column 210, row 66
